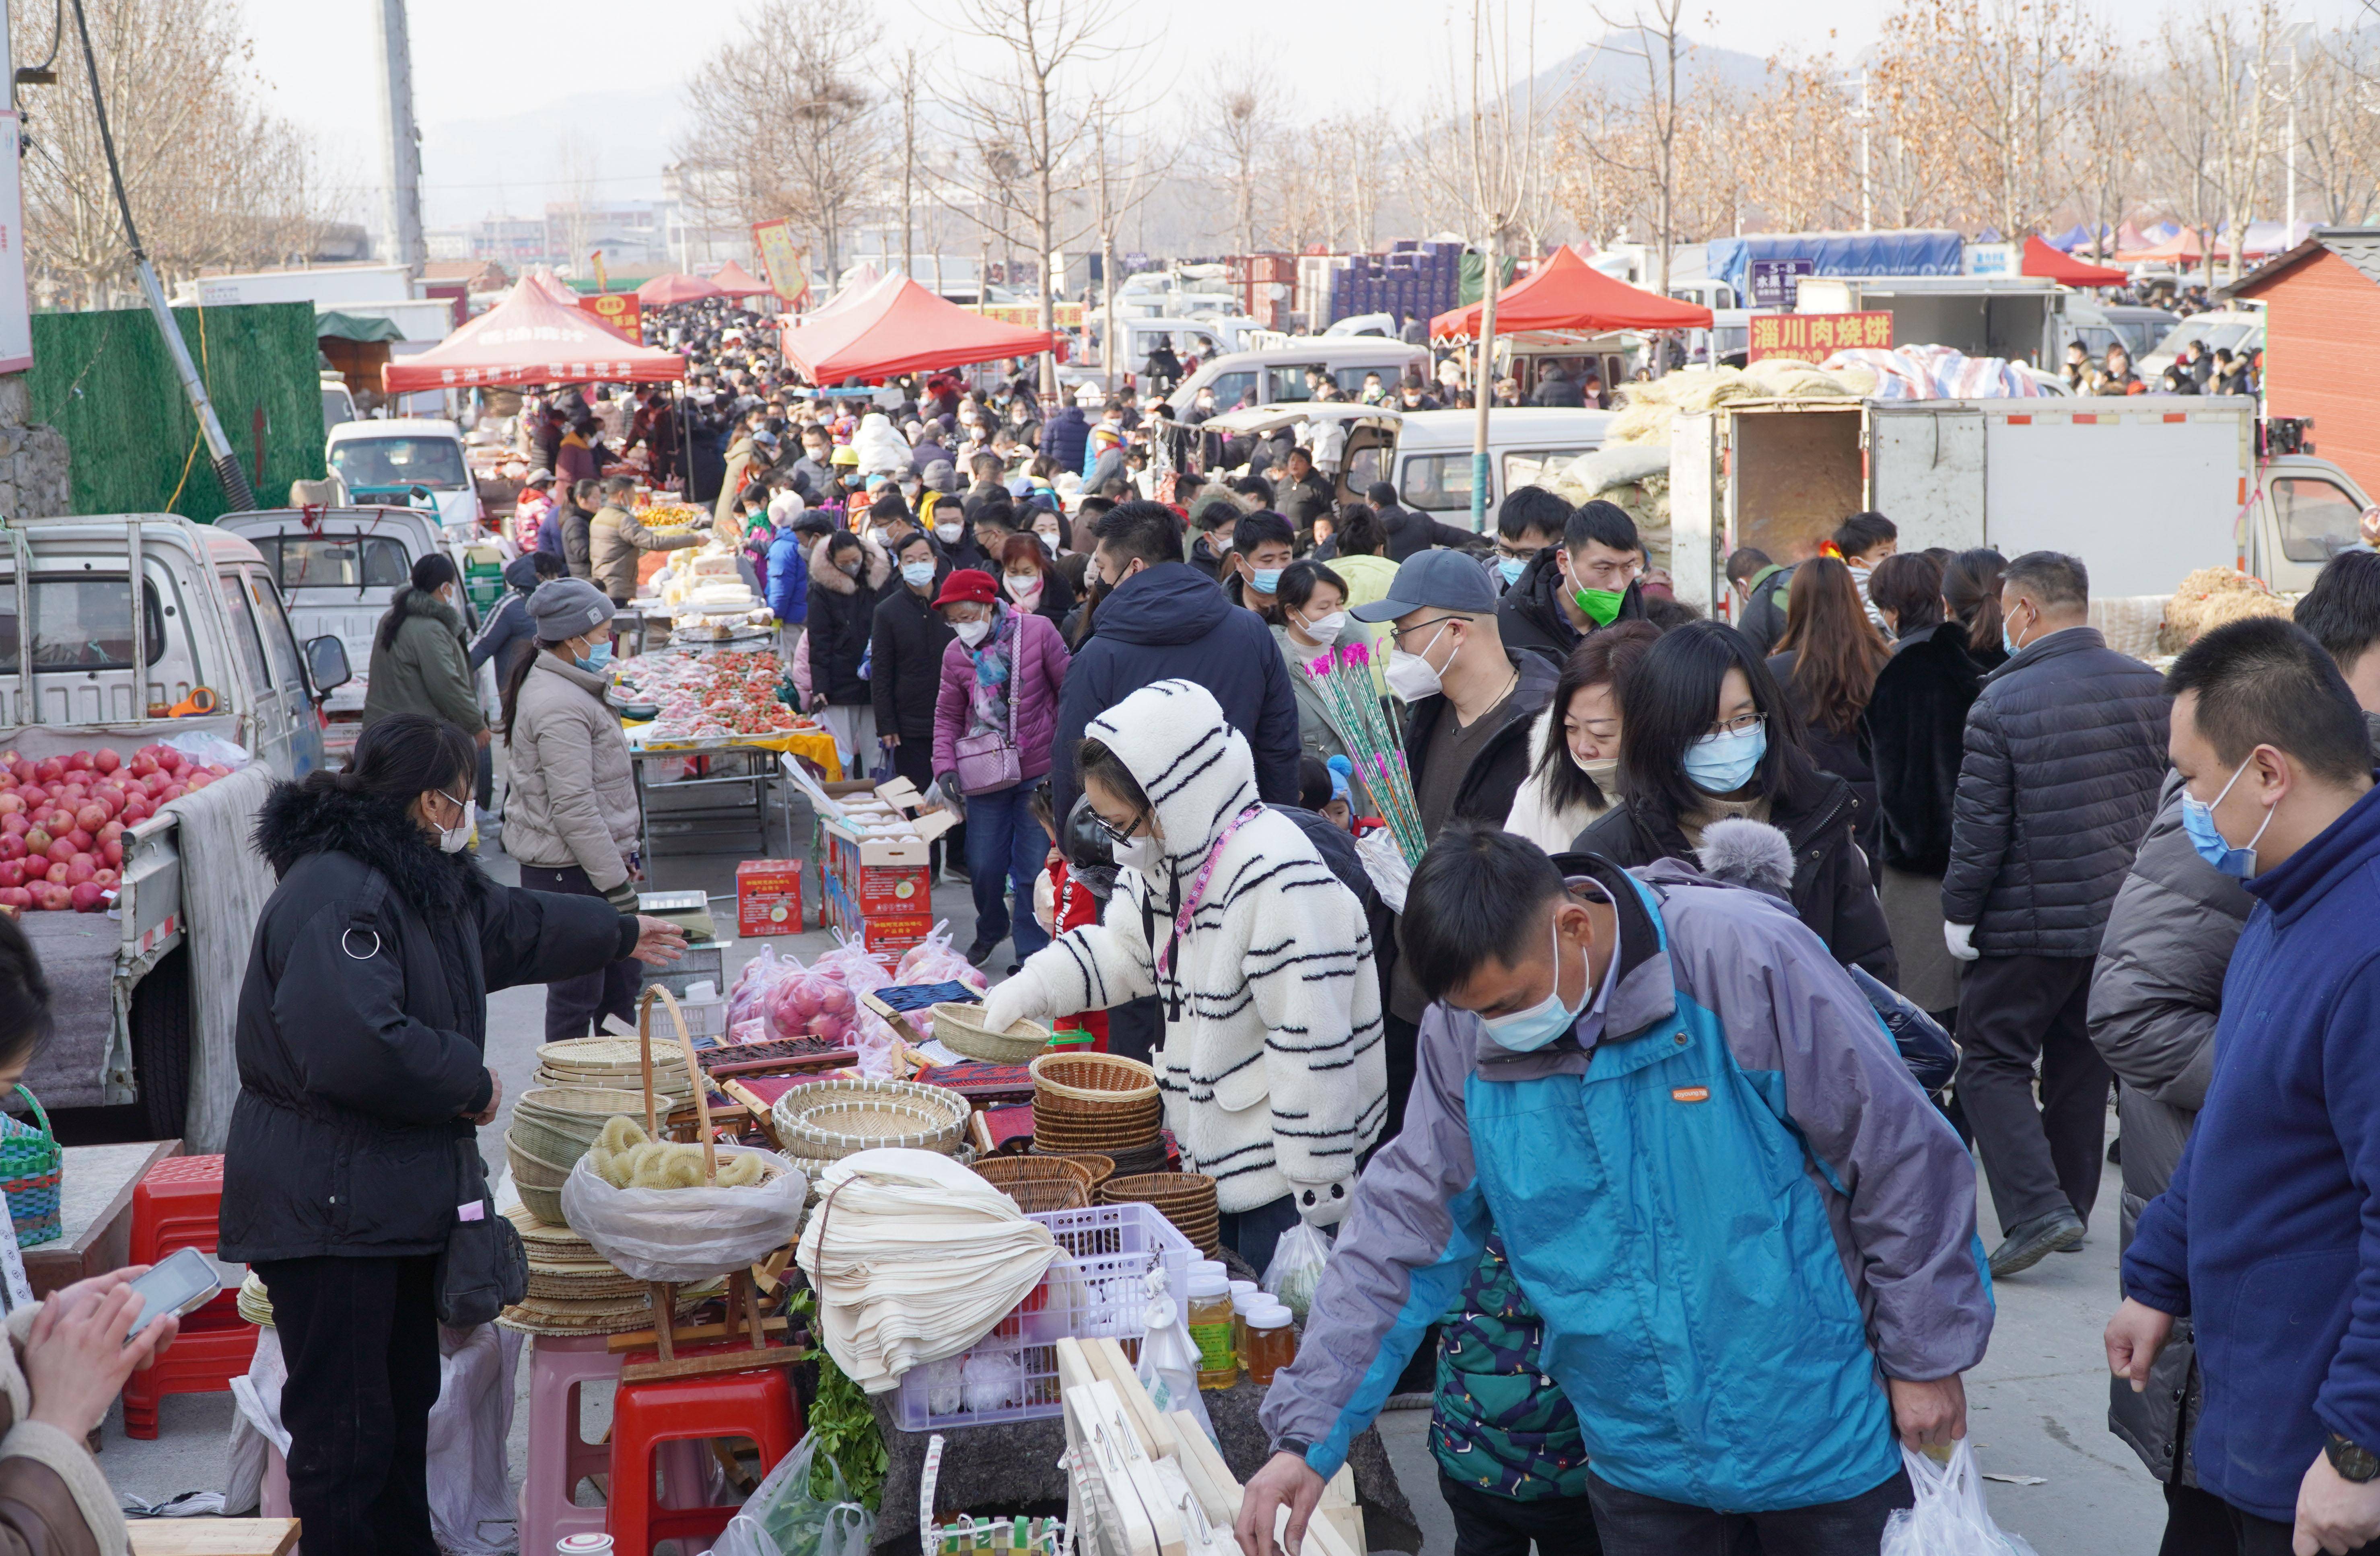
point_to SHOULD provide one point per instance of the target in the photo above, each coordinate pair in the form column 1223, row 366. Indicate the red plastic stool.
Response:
column 759, row 1404
column 176, row 1205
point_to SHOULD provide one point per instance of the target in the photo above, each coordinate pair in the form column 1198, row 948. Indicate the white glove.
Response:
column 1007, row 1004
column 1960, row 937
column 1323, row 1205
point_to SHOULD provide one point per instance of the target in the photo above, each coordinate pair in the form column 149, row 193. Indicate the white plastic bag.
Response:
column 1296, row 1267
column 1168, row 1362
column 1949, row 1518
column 684, row 1234
column 1385, row 863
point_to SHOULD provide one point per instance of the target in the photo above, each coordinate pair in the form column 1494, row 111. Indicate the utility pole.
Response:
column 2290, row 233
column 1867, row 188
column 1107, row 259
column 401, row 202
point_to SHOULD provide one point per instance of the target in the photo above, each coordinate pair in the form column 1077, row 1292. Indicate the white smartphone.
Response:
column 177, row 1283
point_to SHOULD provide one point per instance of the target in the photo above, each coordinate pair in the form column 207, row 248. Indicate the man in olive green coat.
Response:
column 615, row 538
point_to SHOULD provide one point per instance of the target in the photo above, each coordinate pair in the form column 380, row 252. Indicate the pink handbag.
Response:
column 990, row 761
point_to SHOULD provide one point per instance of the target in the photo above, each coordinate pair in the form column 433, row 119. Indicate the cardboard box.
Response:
column 768, row 898
column 893, row 934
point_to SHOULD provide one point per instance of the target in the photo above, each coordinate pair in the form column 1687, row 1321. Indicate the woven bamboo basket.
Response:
column 1102, row 1078
column 833, row 1119
column 959, row 1027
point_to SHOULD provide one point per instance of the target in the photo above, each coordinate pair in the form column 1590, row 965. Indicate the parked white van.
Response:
column 1525, row 446
column 1277, row 374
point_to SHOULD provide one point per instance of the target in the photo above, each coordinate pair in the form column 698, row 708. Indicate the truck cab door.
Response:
column 293, row 689
column 2300, row 521
column 263, row 708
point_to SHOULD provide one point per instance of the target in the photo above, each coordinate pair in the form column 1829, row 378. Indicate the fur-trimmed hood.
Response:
column 300, row 819
column 874, row 571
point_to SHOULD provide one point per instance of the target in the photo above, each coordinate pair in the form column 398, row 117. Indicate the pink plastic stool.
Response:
column 558, row 1457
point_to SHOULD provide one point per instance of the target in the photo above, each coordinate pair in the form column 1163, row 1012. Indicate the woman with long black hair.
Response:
column 361, row 1040
column 1828, row 662
column 420, row 661
column 1711, row 735
column 1917, row 723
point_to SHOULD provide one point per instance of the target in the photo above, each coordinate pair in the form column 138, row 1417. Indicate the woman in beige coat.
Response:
column 571, row 820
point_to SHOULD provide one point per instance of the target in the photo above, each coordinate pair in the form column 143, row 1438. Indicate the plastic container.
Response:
column 1210, row 1330
column 1102, row 1295
column 1272, row 1341
column 594, row 1544
column 1243, row 1295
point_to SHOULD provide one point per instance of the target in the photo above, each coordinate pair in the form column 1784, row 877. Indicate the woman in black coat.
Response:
column 1828, row 662
column 361, row 1040
column 906, row 644
column 1917, row 723
column 846, row 581
column 1710, row 734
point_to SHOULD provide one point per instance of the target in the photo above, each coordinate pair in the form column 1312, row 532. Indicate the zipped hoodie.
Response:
column 1725, row 1195
column 1273, row 1071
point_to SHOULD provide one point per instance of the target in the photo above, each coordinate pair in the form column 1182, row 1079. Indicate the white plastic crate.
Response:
column 1013, row 1370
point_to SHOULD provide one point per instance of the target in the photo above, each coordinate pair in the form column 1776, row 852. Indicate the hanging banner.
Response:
column 602, row 280
column 784, row 262
column 1814, row 337
column 619, row 310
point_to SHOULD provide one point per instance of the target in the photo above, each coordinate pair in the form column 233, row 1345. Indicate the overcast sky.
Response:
column 493, row 59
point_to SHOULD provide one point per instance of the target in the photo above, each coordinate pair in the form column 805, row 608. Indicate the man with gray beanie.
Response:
column 571, row 819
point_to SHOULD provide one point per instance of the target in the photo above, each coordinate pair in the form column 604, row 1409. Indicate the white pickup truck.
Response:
column 215, row 656
column 2144, row 488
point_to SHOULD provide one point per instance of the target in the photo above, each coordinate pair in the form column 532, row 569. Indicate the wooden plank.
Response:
column 1156, row 1436
column 1220, row 1501
column 1193, row 1442
column 211, row 1537
column 645, row 1338
column 1074, row 1369
column 1321, row 1539
column 1115, row 1423
column 1345, row 1513
column 739, row 1360
column 1102, row 1475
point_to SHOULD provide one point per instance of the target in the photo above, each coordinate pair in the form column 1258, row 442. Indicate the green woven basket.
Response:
column 30, row 1163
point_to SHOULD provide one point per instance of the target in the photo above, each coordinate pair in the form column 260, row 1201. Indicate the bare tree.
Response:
column 904, row 85
column 2218, row 127
column 1243, row 125
column 782, row 109
column 1660, row 47
column 2338, row 133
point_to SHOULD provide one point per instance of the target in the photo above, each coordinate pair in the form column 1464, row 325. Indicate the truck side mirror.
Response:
column 326, row 665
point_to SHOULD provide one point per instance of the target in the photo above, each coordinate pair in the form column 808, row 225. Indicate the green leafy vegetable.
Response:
column 844, row 1425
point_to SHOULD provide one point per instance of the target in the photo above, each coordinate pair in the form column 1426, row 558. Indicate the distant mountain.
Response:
column 1614, row 67
column 513, row 163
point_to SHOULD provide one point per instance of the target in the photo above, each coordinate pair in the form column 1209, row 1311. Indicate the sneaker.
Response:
column 980, row 951
column 2029, row 1241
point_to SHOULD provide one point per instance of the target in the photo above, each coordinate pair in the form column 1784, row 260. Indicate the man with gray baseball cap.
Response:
column 1471, row 705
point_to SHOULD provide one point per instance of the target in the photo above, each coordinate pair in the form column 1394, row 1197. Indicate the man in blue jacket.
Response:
column 789, row 577
column 2268, row 1235
column 1750, row 1236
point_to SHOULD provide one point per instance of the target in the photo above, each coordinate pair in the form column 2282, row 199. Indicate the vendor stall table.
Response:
column 95, row 1206
column 750, row 779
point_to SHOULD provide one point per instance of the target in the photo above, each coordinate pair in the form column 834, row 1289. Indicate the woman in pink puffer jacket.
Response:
column 1001, row 676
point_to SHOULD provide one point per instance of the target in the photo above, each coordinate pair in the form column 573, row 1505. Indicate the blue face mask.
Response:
column 1512, row 568
column 1723, row 763
column 1527, row 1032
column 2198, row 821
column 916, row 574
column 1266, row 580
column 597, row 657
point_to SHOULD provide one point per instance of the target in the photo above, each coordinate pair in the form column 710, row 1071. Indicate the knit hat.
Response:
column 567, row 608
column 965, row 586
column 941, row 476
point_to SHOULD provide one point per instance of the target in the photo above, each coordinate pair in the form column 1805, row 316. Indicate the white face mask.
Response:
column 1048, row 541
column 1413, row 676
column 946, row 533
column 1142, row 852
column 1023, row 588
column 1324, row 629
column 452, row 840
column 973, row 633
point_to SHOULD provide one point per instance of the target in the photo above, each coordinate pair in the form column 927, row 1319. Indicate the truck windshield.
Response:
column 436, row 463
column 82, row 623
column 336, row 561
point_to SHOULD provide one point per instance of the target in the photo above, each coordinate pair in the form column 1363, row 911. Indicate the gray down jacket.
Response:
column 2065, row 749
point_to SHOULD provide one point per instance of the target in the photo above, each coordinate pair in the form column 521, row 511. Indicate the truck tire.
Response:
column 161, row 1044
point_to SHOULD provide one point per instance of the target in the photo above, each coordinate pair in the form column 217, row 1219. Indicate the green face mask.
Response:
column 1601, row 605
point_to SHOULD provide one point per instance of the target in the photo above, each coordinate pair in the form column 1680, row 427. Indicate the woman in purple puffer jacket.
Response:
column 1000, row 677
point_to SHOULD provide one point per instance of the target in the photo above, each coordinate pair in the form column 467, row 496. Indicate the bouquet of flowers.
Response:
column 1343, row 675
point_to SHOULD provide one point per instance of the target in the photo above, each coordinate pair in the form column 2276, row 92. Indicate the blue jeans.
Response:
column 1005, row 846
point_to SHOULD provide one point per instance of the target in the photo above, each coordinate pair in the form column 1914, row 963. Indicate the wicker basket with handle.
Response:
column 31, row 1166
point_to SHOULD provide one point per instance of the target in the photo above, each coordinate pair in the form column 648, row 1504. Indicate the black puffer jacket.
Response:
column 362, row 1024
column 1531, row 617
column 1832, row 891
column 905, row 651
column 2064, row 751
column 1848, row 755
column 840, row 614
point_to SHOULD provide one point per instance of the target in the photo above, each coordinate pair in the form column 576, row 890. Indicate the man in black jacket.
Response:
column 2065, row 748
column 1760, row 587
column 1307, row 494
column 1410, row 529
column 905, row 652
column 1589, row 580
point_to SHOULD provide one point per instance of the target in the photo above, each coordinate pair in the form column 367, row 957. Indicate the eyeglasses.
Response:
column 1398, row 633
column 1115, row 837
column 1743, row 723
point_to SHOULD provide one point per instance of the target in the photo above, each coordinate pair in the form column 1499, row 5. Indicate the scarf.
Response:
column 988, row 700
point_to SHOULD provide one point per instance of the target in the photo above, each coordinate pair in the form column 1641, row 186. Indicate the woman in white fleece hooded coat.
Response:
column 1273, row 1069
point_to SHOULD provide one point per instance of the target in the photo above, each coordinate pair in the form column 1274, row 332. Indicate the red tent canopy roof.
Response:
column 2182, row 245
column 531, row 338
column 735, row 281
column 674, row 287
column 2041, row 259
column 897, row 326
column 1567, row 293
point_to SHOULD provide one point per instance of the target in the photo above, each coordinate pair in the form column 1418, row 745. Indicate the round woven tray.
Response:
column 958, row 1028
column 1007, row 1172
column 1093, row 1078
column 1101, row 1168
column 1063, row 1136
column 596, row 1102
column 1035, row 1196
column 530, row 1169
column 1192, row 1194
column 608, row 1056
column 566, row 1140
column 833, row 1119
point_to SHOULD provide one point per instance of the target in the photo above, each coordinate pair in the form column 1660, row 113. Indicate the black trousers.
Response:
column 1402, row 1038
column 2202, row 1523
column 360, row 1338
column 1137, row 1028
column 575, row 1007
column 2014, row 1010
column 1630, row 1524
column 1487, row 1524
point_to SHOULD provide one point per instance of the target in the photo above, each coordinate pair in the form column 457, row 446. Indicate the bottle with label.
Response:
column 1272, row 1341
column 1210, row 1330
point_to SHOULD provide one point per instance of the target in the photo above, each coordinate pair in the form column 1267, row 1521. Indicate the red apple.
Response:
column 112, row 851
column 61, row 850
column 12, row 872
column 83, row 842
column 92, row 816
column 80, row 868
column 174, row 792
column 11, row 848
column 11, row 803
column 197, row 781
column 85, row 896
column 170, row 760
column 59, row 821
column 50, row 772
column 106, row 761
column 111, row 878
column 33, row 795
column 16, row 898
column 37, row 842
column 17, row 825
column 110, row 832
column 141, row 765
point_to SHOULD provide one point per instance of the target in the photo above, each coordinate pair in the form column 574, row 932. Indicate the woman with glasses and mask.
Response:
column 572, row 819
column 1711, row 735
column 1309, row 618
column 363, row 1077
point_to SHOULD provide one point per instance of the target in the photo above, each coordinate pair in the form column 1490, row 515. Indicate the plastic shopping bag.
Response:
column 1168, row 1362
column 684, row 1234
column 1949, row 1518
column 1296, row 1267
column 784, row 1518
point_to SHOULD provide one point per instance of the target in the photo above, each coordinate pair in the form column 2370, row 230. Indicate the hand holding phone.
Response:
column 84, row 1344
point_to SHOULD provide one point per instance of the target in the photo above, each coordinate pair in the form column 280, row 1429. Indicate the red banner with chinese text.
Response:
column 619, row 310
column 1814, row 337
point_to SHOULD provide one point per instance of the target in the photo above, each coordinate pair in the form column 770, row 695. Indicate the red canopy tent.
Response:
column 2047, row 263
column 897, row 326
column 735, row 281
column 2183, row 245
column 663, row 290
column 531, row 338
column 552, row 285
column 1566, row 293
